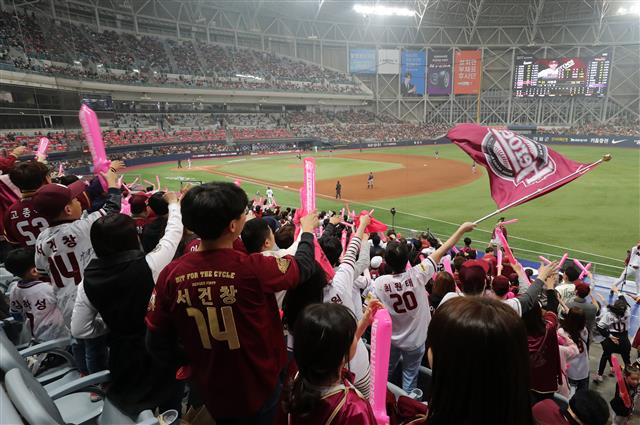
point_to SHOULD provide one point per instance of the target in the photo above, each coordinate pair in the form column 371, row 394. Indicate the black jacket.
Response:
column 119, row 287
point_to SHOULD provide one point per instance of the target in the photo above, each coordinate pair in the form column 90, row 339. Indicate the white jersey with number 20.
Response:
column 405, row 296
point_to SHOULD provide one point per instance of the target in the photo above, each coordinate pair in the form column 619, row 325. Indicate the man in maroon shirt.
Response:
column 220, row 304
column 22, row 223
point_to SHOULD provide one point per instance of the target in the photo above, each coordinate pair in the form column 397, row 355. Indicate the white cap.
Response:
column 376, row 261
column 428, row 251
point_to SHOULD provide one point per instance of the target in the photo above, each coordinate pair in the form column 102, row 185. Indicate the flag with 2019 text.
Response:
column 517, row 166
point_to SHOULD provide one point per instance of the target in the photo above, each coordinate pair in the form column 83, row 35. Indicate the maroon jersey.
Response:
column 140, row 223
column 192, row 246
column 222, row 306
column 341, row 405
column 9, row 194
column 23, row 224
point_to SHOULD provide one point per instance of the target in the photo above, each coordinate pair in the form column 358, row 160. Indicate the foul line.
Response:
column 331, row 198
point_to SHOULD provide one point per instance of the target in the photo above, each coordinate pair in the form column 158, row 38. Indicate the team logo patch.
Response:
column 283, row 264
column 515, row 158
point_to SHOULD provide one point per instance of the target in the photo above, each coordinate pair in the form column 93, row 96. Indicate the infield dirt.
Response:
column 419, row 174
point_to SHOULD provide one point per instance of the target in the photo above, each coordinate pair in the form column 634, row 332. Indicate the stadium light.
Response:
column 633, row 9
column 380, row 10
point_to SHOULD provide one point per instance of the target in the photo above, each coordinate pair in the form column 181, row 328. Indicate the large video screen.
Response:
column 586, row 76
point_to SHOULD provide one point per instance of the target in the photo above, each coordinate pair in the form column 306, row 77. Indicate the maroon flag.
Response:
column 519, row 168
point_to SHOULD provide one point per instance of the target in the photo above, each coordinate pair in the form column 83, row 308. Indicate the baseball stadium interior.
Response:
column 314, row 212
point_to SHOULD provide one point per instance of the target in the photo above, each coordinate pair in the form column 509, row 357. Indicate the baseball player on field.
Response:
column 269, row 193
column 632, row 268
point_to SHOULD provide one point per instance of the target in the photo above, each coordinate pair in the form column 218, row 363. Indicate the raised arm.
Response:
column 545, row 279
column 364, row 257
column 345, row 275
column 164, row 252
column 450, row 243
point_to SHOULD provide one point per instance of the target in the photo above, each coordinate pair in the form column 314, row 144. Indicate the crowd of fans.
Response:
column 619, row 127
column 124, row 58
column 136, row 129
column 354, row 133
column 142, row 303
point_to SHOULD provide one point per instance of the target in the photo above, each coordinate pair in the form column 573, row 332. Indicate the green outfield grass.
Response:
column 287, row 169
column 598, row 214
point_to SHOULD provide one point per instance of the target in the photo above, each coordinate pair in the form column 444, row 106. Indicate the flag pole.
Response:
column 605, row 158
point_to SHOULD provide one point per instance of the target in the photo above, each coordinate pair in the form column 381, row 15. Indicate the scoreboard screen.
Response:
column 587, row 76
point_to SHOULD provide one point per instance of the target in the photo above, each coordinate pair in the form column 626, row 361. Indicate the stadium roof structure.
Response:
column 335, row 20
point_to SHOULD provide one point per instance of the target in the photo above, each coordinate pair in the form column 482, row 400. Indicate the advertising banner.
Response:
column 362, row 61
column 576, row 139
column 467, row 72
column 413, row 69
column 439, row 80
column 388, row 61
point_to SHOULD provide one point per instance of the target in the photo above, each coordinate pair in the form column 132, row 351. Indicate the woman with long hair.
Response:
column 573, row 326
column 326, row 336
column 477, row 348
column 613, row 328
column 544, row 352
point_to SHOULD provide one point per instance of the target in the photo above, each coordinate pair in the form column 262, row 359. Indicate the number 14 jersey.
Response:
column 405, row 296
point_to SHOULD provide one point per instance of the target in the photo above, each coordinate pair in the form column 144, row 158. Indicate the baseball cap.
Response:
column 484, row 265
column 500, row 285
column 428, row 251
column 51, row 198
column 157, row 204
column 473, row 275
column 138, row 203
column 376, row 261
column 582, row 290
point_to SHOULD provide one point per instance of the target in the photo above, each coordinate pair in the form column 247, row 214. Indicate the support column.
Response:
column 97, row 15
column 509, row 113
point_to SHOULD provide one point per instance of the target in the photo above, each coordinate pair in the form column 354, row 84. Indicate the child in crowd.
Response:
column 326, row 337
column 622, row 412
column 613, row 327
column 34, row 299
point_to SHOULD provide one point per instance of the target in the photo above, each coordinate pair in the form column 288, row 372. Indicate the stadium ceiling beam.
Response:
column 321, row 2
column 472, row 17
column 439, row 34
column 420, row 7
column 26, row 3
column 533, row 17
column 600, row 9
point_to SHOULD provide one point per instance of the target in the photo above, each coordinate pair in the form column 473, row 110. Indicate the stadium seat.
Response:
column 8, row 413
column 561, row 400
column 11, row 358
column 396, row 390
column 70, row 403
